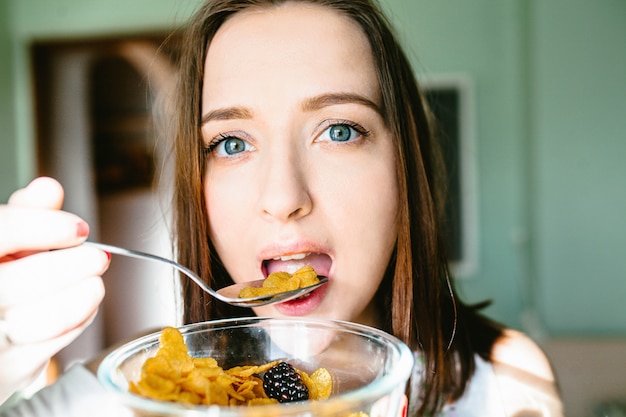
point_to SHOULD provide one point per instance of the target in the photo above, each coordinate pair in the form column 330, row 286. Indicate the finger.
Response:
column 47, row 272
column 42, row 192
column 50, row 316
column 25, row 229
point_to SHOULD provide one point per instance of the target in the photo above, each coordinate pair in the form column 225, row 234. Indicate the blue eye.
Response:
column 229, row 146
column 340, row 133
column 343, row 132
column 233, row 145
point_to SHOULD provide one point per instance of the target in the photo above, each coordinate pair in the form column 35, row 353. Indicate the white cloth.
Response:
column 77, row 393
column 498, row 390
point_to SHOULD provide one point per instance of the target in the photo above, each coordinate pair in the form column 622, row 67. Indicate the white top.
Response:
column 498, row 390
column 77, row 393
column 494, row 391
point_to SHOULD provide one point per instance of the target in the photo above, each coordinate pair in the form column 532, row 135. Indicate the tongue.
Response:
column 321, row 263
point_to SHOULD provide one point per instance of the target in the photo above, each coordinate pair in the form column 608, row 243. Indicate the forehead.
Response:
column 296, row 44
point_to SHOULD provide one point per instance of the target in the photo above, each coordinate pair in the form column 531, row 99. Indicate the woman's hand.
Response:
column 50, row 285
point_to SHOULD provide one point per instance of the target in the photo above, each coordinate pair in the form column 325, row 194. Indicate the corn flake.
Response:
column 281, row 281
column 173, row 375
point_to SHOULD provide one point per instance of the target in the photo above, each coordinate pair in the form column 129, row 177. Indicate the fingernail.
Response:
column 82, row 229
column 108, row 255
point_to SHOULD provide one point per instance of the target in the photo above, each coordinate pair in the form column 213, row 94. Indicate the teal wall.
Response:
column 549, row 82
column 25, row 21
column 71, row 18
column 8, row 148
column 579, row 164
column 484, row 41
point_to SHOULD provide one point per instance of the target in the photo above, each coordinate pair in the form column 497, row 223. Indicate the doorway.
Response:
column 95, row 105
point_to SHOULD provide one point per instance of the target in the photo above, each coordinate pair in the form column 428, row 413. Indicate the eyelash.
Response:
column 217, row 140
column 359, row 129
column 224, row 136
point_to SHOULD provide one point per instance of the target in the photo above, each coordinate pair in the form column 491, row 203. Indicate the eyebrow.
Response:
column 324, row 100
column 226, row 113
column 311, row 104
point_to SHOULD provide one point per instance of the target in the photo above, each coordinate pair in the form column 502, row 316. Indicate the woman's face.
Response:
column 301, row 166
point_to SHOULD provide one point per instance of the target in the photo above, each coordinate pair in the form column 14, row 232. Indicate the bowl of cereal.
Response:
column 261, row 366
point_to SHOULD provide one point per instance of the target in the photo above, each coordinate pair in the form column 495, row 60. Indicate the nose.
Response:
column 284, row 193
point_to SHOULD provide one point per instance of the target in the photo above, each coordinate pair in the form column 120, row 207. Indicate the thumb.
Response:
column 42, row 192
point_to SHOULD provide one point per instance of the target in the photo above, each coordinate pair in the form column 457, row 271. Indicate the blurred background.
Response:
column 532, row 94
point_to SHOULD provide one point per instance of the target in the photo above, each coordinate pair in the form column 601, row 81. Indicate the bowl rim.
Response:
column 375, row 389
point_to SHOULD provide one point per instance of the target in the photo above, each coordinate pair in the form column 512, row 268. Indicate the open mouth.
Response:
column 320, row 262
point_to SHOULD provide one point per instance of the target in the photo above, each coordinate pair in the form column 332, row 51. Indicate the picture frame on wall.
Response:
column 451, row 99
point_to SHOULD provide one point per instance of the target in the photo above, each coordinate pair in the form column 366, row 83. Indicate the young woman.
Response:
column 303, row 139
column 310, row 139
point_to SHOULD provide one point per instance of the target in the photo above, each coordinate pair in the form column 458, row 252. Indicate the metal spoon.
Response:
column 228, row 294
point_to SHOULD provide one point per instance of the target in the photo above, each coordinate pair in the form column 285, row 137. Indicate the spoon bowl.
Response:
column 229, row 294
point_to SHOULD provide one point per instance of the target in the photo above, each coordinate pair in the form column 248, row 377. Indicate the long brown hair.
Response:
column 417, row 294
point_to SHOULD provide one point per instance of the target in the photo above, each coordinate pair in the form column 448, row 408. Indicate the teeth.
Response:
column 294, row 257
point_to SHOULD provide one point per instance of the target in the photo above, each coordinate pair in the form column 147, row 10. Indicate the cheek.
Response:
column 375, row 216
column 224, row 208
column 362, row 213
column 230, row 235
column 378, row 226
column 213, row 206
column 369, row 202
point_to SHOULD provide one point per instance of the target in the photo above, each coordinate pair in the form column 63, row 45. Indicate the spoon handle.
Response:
column 141, row 255
column 228, row 294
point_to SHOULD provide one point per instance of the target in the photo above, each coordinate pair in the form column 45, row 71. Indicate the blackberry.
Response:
column 283, row 383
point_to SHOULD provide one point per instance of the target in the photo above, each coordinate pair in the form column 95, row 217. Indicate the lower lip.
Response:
column 303, row 306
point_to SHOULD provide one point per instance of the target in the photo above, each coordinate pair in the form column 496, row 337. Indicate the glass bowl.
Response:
column 370, row 368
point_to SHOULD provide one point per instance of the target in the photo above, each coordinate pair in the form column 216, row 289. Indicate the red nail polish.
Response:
column 108, row 255
column 82, row 229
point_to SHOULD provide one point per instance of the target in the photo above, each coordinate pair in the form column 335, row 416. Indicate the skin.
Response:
column 279, row 85
column 47, row 297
